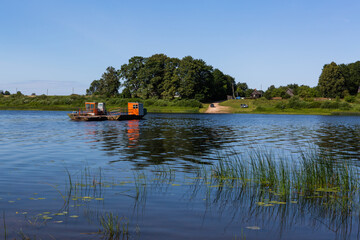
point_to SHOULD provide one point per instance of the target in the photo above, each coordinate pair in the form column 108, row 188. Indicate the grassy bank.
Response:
column 294, row 106
column 74, row 102
column 263, row 106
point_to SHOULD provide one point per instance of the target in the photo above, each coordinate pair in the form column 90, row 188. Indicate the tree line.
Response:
column 302, row 91
column 2, row 92
column 341, row 80
column 163, row 77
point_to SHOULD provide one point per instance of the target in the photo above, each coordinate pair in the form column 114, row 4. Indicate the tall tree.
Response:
column 95, row 88
column 195, row 78
column 352, row 83
column 241, row 89
column 230, row 85
column 331, row 81
column 171, row 80
column 108, row 84
column 220, row 88
column 129, row 74
column 152, row 74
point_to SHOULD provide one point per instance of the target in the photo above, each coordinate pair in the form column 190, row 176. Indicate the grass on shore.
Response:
column 294, row 106
column 74, row 102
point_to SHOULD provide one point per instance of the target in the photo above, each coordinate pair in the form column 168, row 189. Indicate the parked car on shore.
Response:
column 244, row 105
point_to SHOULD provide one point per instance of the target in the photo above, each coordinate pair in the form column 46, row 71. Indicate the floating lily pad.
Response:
column 59, row 214
column 253, row 228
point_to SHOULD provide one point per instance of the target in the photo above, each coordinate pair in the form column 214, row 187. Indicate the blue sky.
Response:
column 62, row 46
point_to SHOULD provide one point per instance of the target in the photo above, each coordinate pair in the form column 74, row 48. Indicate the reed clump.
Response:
column 114, row 227
column 313, row 175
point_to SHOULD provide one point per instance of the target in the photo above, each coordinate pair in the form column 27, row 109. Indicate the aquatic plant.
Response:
column 4, row 225
column 312, row 173
column 114, row 227
column 277, row 188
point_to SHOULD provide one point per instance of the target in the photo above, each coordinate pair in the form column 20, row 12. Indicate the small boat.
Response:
column 97, row 112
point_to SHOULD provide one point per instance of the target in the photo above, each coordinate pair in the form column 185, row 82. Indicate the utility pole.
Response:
column 47, row 92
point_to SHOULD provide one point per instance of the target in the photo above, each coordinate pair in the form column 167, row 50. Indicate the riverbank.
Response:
column 255, row 106
column 293, row 106
column 217, row 108
column 74, row 102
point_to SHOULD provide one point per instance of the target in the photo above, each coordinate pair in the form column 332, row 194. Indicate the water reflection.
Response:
column 133, row 133
column 339, row 140
column 196, row 139
column 145, row 142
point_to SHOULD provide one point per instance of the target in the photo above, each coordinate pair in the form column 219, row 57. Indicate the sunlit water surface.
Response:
column 144, row 171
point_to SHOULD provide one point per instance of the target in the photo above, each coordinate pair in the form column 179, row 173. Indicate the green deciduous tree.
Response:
column 195, row 78
column 241, row 89
column 107, row 85
column 352, row 81
column 331, row 81
column 171, row 80
column 129, row 73
column 220, row 87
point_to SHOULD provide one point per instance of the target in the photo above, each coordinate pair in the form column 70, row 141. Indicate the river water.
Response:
column 59, row 177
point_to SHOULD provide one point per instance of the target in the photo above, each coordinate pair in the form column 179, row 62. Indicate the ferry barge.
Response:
column 97, row 112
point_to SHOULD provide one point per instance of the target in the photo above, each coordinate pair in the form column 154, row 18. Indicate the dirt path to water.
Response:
column 218, row 109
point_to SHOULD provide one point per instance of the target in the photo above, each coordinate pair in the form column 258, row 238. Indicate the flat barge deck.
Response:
column 97, row 112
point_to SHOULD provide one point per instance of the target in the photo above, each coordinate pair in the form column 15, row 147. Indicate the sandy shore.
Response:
column 218, row 109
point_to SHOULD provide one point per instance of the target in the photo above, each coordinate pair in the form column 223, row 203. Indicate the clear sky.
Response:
column 62, row 46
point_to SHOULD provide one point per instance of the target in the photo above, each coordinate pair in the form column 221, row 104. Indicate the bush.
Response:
column 199, row 97
column 296, row 103
column 187, row 103
column 161, row 103
column 330, row 105
column 67, row 101
column 43, row 96
column 344, row 106
column 350, row 99
column 149, row 102
column 280, row 105
column 260, row 108
column 314, row 104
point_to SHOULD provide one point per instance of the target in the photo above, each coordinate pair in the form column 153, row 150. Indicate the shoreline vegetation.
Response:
column 188, row 85
column 312, row 187
column 294, row 105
